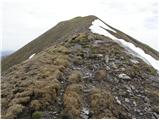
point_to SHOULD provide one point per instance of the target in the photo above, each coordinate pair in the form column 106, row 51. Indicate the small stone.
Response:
column 126, row 100
column 106, row 58
column 123, row 69
column 118, row 101
column 54, row 112
column 134, row 61
column 87, row 90
column 84, row 117
column 155, row 115
column 140, row 113
column 94, row 56
column 135, row 104
column 137, row 110
column 122, row 57
column 98, row 42
column 62, row 82
column 114, row 66
column 128, row 89
column 85, row 113
column 116, row 80
column 108, row 68
column 122, row 92
column 146, row 100
column 62, row 90
column 99, row 55
column 77, row 46
column 123, row 76
column 132, row 87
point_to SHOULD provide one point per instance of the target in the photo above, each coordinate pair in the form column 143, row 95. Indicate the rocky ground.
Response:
column 85, row 76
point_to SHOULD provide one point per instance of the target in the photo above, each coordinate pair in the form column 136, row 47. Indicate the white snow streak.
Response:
column 95, row 28
column 32, row 56
column 140, row 53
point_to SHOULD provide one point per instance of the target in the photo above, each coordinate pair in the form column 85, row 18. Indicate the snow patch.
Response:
column 96, row 28
column 140, row 53
column 32, row 56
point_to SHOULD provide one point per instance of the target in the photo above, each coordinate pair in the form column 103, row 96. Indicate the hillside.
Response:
column 77, row 73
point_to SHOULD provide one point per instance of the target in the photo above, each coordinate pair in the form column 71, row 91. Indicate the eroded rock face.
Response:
column 87, row 76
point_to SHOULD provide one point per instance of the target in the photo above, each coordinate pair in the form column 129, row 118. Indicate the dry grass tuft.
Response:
column 35, row 104
column 61, row 61
column 101, row 99
column 24, row 94
column 100, row 75
column 14, row 110
column 21, row 100
column 72, row 101
column 75, row 87
column 82, row 38
column 59, row 49
column 75, row 77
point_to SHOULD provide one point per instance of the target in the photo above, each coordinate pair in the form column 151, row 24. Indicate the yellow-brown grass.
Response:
column 75, row 77
column 72, row 100
column 14, row 110
column 100, row 75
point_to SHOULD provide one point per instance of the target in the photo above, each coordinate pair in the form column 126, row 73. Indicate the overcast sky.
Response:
column 24, row 20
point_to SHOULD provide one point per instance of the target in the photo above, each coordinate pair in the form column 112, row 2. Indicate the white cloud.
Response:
column 25, row 20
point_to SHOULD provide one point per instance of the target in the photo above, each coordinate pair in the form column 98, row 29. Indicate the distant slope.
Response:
column 121, row 35
column 54, row 35
column 5, row 53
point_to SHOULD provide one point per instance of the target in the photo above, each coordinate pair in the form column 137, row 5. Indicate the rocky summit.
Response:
column 73, row 72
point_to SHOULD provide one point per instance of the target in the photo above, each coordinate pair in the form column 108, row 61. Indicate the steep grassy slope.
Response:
column 54, row 35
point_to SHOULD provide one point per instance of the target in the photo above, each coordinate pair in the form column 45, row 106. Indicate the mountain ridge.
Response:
column 55, row 34
column 31, row 48
column 85, row 75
